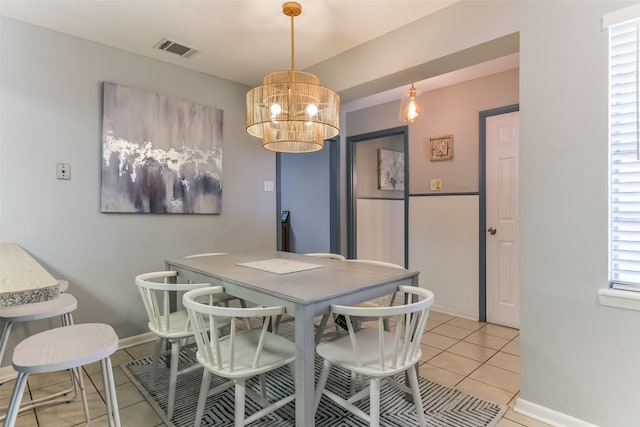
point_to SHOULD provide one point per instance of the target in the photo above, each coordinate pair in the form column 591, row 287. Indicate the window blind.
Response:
column 624, row 191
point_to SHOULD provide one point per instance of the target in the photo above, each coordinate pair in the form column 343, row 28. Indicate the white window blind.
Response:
column 624, row 191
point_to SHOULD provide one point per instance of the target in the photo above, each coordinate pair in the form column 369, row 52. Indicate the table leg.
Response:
column 305, row 367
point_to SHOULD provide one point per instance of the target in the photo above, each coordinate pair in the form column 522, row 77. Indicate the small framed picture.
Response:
column 441, row 148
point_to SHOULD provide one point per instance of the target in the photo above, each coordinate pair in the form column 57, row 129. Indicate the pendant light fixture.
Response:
column 410, row 110
column 291, row 112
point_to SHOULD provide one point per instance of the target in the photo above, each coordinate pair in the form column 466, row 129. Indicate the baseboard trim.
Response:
column 136, row 340
column 548, row 415
column 454, row 312
column 7, row 373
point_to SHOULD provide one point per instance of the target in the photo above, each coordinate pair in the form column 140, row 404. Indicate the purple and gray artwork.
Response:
column 159, row 154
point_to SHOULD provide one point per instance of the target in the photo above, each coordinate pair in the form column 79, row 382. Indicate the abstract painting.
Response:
column 159, row 154
column 390, row 170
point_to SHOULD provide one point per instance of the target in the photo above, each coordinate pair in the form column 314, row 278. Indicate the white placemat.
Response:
column 280, row 266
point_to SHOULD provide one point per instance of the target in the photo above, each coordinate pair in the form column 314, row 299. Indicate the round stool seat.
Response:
column 63, row 285
column 59, row 349
column 65, row 348
column 64, row 303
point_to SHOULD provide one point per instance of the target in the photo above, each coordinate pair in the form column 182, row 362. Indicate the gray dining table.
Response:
column 306, row 286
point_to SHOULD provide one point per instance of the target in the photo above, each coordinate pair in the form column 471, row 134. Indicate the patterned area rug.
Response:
column 444, row 406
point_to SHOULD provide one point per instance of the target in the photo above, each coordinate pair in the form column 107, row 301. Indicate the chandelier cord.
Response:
column 292, row 45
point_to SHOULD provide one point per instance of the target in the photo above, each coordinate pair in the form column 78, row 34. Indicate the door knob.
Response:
column 492, row 230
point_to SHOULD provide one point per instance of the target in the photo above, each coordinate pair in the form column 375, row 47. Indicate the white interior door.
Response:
column 502, row 213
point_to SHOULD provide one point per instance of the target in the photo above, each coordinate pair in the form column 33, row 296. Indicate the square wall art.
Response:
column 160, row 155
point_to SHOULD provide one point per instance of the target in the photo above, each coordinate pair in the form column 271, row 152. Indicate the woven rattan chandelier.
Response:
column 291, row 112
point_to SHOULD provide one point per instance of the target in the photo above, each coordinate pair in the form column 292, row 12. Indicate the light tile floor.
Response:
column 478, row 358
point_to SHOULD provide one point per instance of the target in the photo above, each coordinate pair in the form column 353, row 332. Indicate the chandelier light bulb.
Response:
column 410, row 110
column 275, row 110
column 413, row 110
column 312, row 109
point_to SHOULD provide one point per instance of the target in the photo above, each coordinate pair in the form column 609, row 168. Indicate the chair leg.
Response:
column 374, row 402
column 16, row 397
column 202, row 399
column 417, row 399
column 173, row 376
column 239, row 403
column 321, row 327
column 322, row 381
column 263, row 385
column 156, row 360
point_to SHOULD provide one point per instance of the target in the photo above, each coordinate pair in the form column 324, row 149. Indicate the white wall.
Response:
column 380, row 230
column 577, row 357
column 443, row 246
column 50, row 111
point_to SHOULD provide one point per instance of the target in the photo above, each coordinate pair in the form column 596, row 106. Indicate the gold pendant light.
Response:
column 410, row 110
column 291, row 112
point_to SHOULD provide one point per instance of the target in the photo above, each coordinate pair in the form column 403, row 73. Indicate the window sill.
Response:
column 621, row 299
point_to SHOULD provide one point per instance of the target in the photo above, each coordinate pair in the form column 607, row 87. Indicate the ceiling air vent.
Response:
column 175, row 47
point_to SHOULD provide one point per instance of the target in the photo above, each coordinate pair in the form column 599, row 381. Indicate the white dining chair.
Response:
column 223, row 297
column 157, row 292
column 324, row 320
column 319, row 328
column 385, row 300
column 378, row 354
column 240, row 355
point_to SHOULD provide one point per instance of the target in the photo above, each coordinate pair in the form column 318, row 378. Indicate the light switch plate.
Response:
column 268, row 186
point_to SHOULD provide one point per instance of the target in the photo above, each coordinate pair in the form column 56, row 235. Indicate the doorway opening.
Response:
column 377, row 195
column 307, row 186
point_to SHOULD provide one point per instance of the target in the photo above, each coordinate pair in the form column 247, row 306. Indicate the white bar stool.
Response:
column 67, row 347
column 61, row 306
column 63, row 285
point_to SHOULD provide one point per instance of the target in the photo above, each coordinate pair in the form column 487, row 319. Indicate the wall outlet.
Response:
column 436, row 184
column 268, row 186
column 63, row 171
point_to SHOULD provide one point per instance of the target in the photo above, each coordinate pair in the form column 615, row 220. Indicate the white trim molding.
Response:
column 620, row 15
column 136, row 340
column 547, row 415
column 619, row 298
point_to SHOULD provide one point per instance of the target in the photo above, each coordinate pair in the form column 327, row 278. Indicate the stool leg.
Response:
column 78, row 382
column 5, row 328
column 16, row 397
column 113, row 414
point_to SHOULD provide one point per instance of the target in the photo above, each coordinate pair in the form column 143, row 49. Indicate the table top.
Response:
column 317, row 278
column 22, row 278
column 306, row 286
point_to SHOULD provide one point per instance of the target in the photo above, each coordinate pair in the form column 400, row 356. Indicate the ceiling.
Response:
column 239, row 40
